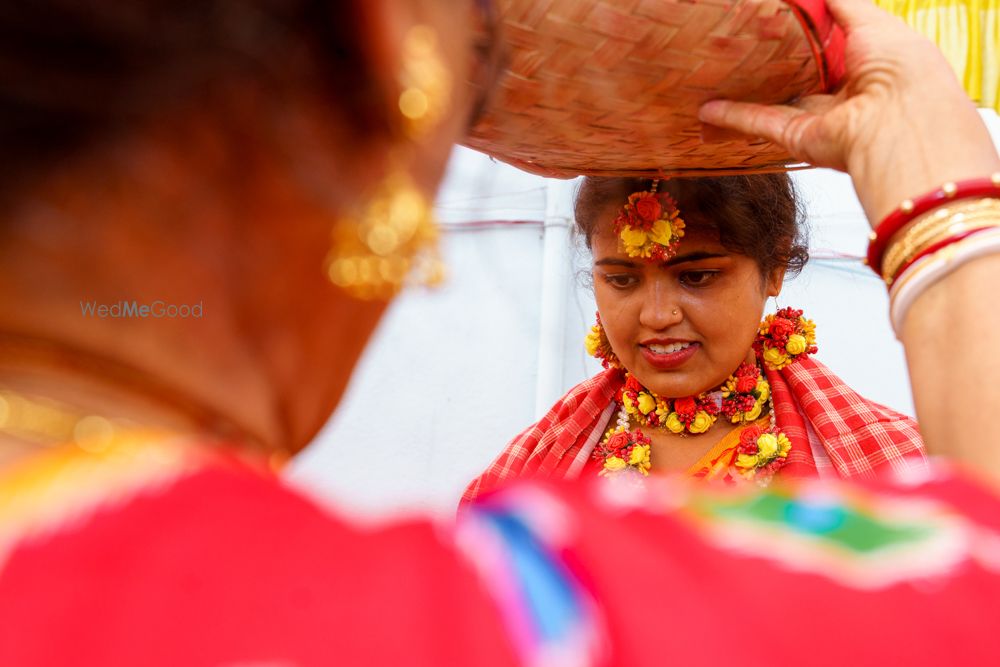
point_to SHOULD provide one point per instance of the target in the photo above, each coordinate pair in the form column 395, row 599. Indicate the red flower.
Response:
column 745, row 385
column 775, row 465
column 620, row 221
column 617, row 441
column 648, row 207
column 659, row 253
column 781, row 327
column 685, row 406
column 631, row 384
column 748, row 440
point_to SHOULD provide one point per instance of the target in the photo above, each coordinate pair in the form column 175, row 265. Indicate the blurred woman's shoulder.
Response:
column 166, row 550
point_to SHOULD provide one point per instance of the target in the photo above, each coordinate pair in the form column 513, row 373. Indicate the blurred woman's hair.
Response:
column 77, row 71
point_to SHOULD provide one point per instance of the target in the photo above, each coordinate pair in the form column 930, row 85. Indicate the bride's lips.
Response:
column 669, row 360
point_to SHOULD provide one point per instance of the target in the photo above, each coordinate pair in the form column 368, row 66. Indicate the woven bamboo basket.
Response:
column 612, row 88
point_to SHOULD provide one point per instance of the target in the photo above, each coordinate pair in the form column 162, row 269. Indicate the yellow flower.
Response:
column 754, row 412
column 796, row 344
column 746, row 461
column 763, row 390
column 674, row 424
column 809, row 328
column 775, row 358
column 767, row 446
column 614, row 464
column 593, row 341
column 640, row 458
column 632, row 238
column 662, row 411
column 784, row 445
column 729, row 388
column 627, row 402
column 662, row 232
column 646, row 403
column 702, row 422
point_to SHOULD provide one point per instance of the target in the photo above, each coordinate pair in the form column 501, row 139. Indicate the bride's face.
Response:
column 682, row 326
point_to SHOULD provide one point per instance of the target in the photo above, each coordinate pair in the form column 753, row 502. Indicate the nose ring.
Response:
column 673, row 312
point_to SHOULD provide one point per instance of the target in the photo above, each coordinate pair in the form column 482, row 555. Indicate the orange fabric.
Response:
column 717, row 459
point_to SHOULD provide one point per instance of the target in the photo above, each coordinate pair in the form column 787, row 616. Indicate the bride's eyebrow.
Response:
column 615, row 261
column 694, row 257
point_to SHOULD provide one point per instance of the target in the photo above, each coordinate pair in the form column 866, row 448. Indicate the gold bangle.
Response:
column 931, row 223
column 949, row 228
column 936, row 226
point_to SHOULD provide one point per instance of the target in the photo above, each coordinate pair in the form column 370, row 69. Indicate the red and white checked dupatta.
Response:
column 834, row 431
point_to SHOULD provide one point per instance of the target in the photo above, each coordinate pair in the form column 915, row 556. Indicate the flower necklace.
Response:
column 741, row 399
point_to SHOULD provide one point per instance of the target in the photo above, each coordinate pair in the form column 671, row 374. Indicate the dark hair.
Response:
column 756, row 215
column 76, row 71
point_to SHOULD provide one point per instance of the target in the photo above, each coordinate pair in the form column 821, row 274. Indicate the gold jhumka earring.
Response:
column 392, row 240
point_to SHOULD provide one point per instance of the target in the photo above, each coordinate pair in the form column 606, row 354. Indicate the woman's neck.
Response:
column 672, row 452
column 49, row 397
column 200, row 212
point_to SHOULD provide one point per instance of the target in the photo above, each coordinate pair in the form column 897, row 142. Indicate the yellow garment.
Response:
column 967, row 32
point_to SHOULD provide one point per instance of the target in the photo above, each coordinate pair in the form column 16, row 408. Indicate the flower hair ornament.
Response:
column 650, row 225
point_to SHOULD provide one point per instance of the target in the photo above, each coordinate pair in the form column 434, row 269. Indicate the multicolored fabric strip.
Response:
column 517, row 542
column 858, row 537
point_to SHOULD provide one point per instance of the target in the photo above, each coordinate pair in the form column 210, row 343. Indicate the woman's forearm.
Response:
column 952, row 340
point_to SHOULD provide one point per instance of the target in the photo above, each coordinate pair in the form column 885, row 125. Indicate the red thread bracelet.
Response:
column 911, row 208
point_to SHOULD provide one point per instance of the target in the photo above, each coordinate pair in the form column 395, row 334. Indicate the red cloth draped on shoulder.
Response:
column 815, row 409
column 548, row 448
column 158, row 555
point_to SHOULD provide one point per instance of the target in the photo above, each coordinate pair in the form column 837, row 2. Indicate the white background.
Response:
column 452, row 374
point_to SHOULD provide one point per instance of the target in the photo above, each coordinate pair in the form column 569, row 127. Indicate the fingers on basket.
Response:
column 768, row 122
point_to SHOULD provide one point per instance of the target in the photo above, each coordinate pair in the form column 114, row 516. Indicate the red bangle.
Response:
column 911, row 208
column 931, row 249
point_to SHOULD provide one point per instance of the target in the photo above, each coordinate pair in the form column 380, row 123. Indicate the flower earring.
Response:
column 783, row 337
column 599, row 347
